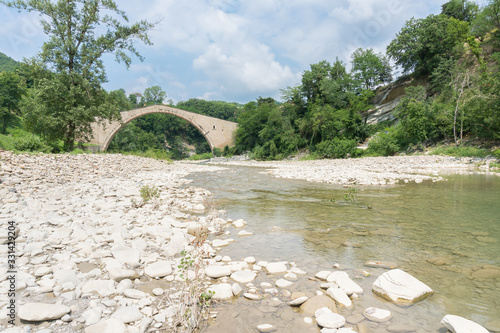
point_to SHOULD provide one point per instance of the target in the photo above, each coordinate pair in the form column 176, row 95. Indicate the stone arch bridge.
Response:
column 219, row 133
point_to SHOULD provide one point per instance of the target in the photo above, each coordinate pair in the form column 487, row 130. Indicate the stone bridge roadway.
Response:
column 219, row 133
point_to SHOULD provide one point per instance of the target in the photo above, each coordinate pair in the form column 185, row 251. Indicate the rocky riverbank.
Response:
column 92, row 257
column 372, row 170
column 88, row 246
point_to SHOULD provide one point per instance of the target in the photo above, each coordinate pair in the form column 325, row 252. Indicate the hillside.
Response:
column 7, row 64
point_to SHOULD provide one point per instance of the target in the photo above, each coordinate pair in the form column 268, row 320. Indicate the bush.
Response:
column 198, row 157
column 31, row 143
column 384, row 143
column 461, row 151
column 336, row 148
column 496, row 154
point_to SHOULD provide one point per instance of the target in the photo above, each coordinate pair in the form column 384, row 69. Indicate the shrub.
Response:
column 336, row 148
column 496, row 154
column 198, row 157
column 384, row 143
column 31, row 143
column 460, row 151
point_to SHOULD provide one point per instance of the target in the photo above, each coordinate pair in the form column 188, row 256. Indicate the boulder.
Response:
column 339, row 296
column 102, row 287
column 112, row 325
column 458, row 324
column 400, row 287
column 42, row 311
column 345, row 283
column 243, row 276
column 276, row 268
column 127, row 314
column 327, row 319
column 377, row 315
column 221, row 291
column 158, row 269
column 215, row 272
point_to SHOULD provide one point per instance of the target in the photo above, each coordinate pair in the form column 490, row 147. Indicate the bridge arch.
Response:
column 218, row 133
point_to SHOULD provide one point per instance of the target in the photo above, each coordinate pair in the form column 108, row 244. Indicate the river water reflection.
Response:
column 441, row 233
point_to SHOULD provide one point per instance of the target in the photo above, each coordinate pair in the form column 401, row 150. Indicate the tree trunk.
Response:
column 69, row 139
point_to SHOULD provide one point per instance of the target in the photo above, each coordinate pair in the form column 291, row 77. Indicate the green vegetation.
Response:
column 66, row 94
column 7, row 64
column 461, row 151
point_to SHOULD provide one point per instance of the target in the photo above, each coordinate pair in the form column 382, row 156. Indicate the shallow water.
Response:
column 438, row 232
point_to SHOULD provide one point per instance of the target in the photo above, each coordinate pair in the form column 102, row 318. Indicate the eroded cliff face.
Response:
column 387, row 98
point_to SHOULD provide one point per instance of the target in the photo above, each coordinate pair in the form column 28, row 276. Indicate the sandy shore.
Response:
column 372, row 170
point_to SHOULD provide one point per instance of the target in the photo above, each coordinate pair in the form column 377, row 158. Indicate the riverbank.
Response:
column 372, row 170
column 88, row 251
column 90, row 256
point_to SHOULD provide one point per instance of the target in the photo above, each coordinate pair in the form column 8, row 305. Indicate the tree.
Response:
column 370, row 68
column 463, row 10
column 488, row 19
column 423, row 43
column 65, row 102
column 154, row 95
column 12, row 89
column 311, row 80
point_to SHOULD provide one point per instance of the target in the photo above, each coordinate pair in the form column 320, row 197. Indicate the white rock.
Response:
column 249, row 260
column 127, row 314
column 118, row 274
column 297, row 271
column 244, row 233
column 266, row 328
column 323, row 275
column 339, row 296
column 221, row 291
column 126, row 255
column 330, row 320
column 458, row 324
column 112, row 325
column 308, row 320
column 158, row 269
column 124, row 285
column 134, row 293
column 158, row 291
column 219, row 243
column 342, row 330
column 236, row 288
column 298, row 301
column 276, row 268
column 64, row 275
column 42, row 311
column 377, row 315
column 322, row 311
column 282, row 283
column 253, row 297
column 239, row 223
column 400, row 287
column 102, row 287
column 216, row 271
column 92, row 316
column 290, row 276
column 344, row 282
column 243, row 276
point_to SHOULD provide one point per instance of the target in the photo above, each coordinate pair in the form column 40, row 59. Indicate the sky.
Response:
column 234, row 50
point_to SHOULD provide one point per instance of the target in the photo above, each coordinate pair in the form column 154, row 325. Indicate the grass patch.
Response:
column 152, row 153
column 199, row 157
column 461, row 151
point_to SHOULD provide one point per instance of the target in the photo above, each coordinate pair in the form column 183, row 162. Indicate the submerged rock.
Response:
column 400, row 287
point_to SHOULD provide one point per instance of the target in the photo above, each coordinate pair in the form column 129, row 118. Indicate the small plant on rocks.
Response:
column 148, row 193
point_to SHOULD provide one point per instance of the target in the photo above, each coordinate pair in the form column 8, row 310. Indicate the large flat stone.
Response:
column 400, row 287
column 458, row 324
column 42, row 311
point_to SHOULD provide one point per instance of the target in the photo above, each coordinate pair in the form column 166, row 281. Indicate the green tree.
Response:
column 370, row 68
column 154, row 95
column 12, row 88
column 423, row 43
column 65, row 103
column 463, row 10
column 488, row 19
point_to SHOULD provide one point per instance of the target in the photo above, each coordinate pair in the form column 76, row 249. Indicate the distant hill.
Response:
column 7, row 64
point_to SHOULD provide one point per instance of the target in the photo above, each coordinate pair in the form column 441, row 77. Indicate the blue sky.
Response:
column 235, row 50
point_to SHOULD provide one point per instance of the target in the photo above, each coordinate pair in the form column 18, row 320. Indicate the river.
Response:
column 443, row 233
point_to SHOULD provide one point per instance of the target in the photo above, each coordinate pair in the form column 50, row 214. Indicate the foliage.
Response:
column 463, row 10
column 154, row 95
column 384, row 143
column 12, row 89
column 370, row 68
column 422, row 44
column 68, row 72
column 149, row 192
column 7, row 64
column 199, row 157
column 461, row 151
column 351, row 195
column 216, row 109
column 31, row 143
column 336, row 148
column 487, row 20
